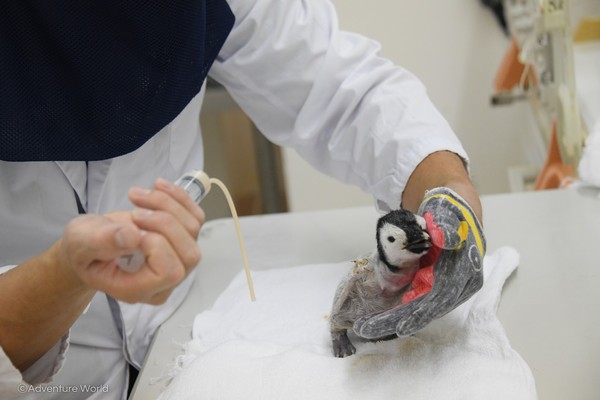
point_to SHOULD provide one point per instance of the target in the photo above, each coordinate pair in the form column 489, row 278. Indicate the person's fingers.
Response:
column 182, row 197
column 163, row 271
column 173, row 200
column 91, row 244
column 92, row 237
column 167, row 225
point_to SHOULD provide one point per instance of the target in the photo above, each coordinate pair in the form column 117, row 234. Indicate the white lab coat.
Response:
column 305, row 84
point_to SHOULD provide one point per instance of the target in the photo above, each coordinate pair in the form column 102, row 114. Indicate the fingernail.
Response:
column 164, row 184
column 138, row 192
column 119, row 239
column 140, row 213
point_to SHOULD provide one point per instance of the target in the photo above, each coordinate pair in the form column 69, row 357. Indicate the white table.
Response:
column 549, row 306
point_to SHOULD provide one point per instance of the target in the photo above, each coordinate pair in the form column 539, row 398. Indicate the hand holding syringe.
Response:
column 197, row 184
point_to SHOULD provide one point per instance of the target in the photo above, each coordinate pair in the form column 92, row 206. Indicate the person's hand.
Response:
column 459, row 245
column 164, row 228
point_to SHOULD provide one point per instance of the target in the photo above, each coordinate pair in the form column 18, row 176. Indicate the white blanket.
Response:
column 279, row 347
column 589, row 166
column 587, row 72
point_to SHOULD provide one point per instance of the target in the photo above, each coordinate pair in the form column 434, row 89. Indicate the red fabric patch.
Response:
column 421, row 284
column 435, row 232
column 424, row 278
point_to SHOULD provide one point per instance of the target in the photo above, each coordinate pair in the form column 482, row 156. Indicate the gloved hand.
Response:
column 459, row 245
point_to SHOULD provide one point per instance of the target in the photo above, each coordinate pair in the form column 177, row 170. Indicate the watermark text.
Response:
column 24, row 388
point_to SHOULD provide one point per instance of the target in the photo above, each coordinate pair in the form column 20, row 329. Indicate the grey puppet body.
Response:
column 378, row 281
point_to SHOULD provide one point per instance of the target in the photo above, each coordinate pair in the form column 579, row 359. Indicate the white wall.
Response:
column 455, row 47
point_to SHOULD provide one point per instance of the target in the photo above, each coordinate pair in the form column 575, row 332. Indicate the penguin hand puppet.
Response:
column 425, row 265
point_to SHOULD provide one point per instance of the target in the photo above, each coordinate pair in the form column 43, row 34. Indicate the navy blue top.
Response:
column 84, row 80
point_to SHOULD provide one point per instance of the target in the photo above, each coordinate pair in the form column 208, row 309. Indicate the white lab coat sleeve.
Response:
column 13, row 382
column 327, row 93
column 10, row 377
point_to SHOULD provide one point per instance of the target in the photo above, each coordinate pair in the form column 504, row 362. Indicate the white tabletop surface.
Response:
column 549, row 307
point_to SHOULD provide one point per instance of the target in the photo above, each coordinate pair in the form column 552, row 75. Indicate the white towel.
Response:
column 587, row 72
column 279, row 347
column 589, row 166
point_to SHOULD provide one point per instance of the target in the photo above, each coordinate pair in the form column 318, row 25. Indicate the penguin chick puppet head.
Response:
column 401, row 241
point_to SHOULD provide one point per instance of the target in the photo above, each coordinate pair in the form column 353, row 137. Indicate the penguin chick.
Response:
column 378, row 280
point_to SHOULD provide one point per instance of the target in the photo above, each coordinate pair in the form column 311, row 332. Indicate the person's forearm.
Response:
column 442, row 168
column 39, row 301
